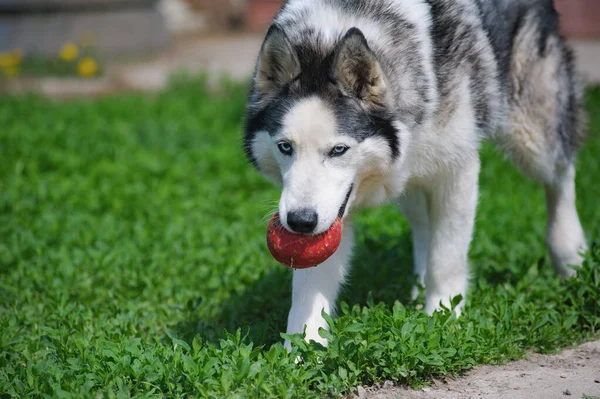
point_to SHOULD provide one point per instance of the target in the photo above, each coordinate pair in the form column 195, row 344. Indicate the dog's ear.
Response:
column 277, row 63
column 356, row 69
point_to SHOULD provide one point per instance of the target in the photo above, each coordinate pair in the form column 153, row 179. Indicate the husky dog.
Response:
column 359, row 102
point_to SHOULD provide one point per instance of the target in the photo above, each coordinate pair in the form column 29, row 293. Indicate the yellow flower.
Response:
column 5, row 60
column 69, row 52
column 87, row 67
column 11, row 59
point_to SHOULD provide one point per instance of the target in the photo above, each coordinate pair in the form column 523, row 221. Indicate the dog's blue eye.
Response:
column 285, row 148
column 338, row 150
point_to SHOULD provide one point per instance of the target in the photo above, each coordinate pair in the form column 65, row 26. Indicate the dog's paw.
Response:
column 310, row 336
column 416, row 288
column 288, row 346
column 565, row 251
column 435, row 303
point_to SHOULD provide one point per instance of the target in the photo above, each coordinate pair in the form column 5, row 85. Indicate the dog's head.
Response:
column 319, row 122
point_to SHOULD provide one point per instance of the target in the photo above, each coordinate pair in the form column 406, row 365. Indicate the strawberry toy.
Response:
column 300, row 251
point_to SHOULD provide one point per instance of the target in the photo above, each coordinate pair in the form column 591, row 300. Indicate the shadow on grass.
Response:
column 511, row 274
column 381, row 271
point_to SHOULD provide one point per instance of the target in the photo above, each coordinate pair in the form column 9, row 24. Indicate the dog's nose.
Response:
column 303, row 221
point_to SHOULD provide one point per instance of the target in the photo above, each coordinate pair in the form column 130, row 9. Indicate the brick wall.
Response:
column 259, row 13
column 579, row 18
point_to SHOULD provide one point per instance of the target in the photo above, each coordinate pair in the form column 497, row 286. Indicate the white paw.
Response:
column 432, row 304
column 287, row 345
column 565, row 251
column 312, row 334
column 414, row 293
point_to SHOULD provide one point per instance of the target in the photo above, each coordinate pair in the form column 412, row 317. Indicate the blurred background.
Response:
column 65, row 48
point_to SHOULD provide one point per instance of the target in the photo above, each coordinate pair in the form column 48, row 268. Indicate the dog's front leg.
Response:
column 414, row 206
column 452, row 215
column 317, row 288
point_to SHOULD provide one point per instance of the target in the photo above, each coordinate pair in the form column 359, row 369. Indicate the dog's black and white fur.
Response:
column 358, row 102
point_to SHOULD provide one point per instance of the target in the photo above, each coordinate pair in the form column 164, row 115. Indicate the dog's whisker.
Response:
column 269, row 205
column 269, row 215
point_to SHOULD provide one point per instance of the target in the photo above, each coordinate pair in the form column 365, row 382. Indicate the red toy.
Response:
column 300, row 251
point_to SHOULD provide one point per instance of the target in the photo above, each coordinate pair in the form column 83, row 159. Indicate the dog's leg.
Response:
column 317, row 288
column 546, row 128
column 452, row 214
column 414, row 207
column 565, row 238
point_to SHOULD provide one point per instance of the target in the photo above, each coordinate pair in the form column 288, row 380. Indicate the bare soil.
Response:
column 572, row 373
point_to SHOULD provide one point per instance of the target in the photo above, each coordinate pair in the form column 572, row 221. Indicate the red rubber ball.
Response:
column 300, row 251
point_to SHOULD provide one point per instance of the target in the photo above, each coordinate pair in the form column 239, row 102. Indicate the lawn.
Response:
column 133, row 263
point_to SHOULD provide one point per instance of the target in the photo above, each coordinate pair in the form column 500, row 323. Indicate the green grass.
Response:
column 133, row 263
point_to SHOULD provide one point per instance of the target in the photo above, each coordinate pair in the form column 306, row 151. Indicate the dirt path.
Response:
column 573, row 373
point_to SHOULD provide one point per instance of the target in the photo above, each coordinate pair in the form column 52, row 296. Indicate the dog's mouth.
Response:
column 340, row 215
column 345, row 203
